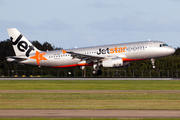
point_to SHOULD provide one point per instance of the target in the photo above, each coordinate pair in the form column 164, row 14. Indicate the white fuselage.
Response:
column 127, row 51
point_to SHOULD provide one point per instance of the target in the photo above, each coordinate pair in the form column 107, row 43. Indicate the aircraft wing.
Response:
column 87, row 58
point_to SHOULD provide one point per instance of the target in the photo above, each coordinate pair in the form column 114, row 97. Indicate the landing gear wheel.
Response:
column 96, row 72
column 99, row 72
column 96, row 69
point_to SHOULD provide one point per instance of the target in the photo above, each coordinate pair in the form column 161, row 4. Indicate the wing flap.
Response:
column 87, row 58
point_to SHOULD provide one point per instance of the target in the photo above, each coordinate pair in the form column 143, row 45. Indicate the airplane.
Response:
column 112, row 56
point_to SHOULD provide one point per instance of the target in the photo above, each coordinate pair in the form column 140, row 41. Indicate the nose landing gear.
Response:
column 153, row 62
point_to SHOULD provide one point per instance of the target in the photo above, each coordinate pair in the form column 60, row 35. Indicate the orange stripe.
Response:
column 73, row 65
column 128, row 60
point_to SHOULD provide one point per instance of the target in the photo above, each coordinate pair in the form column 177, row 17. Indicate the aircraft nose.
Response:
column 171, row 50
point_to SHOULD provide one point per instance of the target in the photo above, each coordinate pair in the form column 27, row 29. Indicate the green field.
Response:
column 134, row 101
column 95, row 100
column 88, row 85
column 113, row 100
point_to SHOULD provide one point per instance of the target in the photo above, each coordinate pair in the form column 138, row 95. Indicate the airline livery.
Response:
column 116, row 55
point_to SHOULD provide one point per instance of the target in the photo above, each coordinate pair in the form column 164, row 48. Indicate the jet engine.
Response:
column 112, row 62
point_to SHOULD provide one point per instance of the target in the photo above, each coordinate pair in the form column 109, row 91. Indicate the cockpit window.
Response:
column 163, row 45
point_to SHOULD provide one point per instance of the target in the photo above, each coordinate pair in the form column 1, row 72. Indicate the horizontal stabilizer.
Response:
column 16, row 58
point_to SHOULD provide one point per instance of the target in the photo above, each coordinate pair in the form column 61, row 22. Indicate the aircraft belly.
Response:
column 59, row 62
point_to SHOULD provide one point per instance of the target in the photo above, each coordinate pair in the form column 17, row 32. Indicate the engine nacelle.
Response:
column 113, row 62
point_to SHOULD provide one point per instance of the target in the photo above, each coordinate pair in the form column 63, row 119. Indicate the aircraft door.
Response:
column 151, row 44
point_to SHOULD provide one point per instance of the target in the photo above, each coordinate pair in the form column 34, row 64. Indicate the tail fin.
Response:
column 21, row 45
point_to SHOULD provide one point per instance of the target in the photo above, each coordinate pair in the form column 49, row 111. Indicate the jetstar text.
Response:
column 22, row 45
column 119, row 50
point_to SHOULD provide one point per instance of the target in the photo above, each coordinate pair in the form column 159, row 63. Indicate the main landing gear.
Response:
column 96, row 70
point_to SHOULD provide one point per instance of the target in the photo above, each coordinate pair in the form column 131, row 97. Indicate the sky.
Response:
column 82, row 23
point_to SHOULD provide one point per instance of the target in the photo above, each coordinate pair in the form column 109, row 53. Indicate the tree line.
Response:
column 171, row 62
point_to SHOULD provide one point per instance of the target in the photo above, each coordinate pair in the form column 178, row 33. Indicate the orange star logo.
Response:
column 38, row 56
column 64, row 51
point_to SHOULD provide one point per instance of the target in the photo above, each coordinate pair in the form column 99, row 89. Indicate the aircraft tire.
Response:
column 99, row 72
column 96, row 72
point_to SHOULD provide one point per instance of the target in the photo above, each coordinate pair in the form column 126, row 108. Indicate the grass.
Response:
column 88, row 85
column 133, row 101
column 90, row 96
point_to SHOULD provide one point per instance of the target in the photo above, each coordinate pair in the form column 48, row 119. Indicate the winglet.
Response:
column 64, row 51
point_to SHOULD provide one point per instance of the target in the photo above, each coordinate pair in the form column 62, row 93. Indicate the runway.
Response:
column 90, row 113
column 89, row 78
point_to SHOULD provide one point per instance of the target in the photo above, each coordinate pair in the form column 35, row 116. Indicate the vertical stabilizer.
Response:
column 21, row 45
